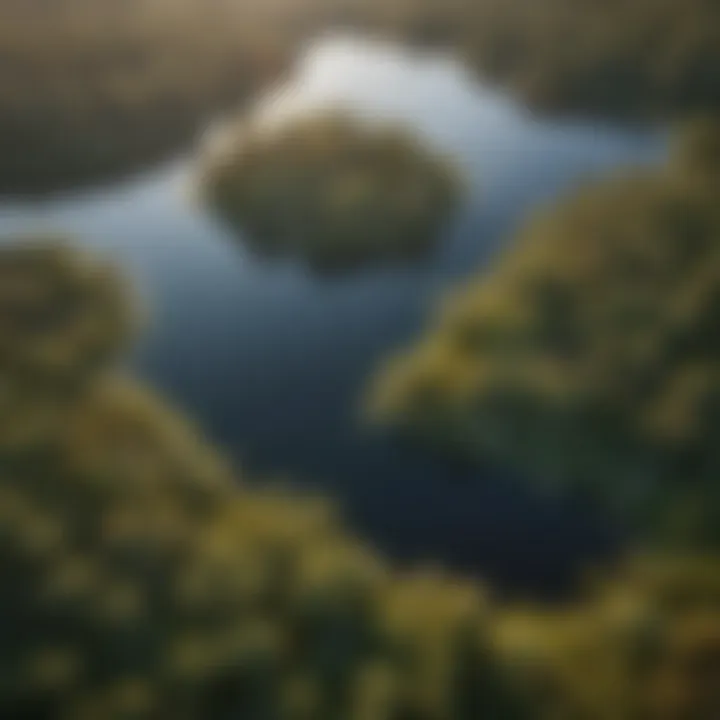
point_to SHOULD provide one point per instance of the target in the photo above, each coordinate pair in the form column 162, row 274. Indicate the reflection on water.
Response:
column 271, row 359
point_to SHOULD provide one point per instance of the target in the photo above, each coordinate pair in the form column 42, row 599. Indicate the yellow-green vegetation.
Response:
column 92, row 89
column 697, row 157
column 643, row 645
column 588, row 355
column 331, row 190
column 140, row 582
column 63, row 318
column 627, row 58
column 140, row 579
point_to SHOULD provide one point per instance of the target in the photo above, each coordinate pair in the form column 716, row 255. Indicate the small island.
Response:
column 331, row 190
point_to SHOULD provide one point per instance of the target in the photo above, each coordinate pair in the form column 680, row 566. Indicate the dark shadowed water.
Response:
column 272, row 360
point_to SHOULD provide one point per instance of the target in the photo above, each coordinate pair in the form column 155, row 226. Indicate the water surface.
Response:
column 272, row 359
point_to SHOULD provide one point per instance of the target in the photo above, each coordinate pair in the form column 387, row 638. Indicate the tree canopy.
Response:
column 588, row 355
column 614, row 58
column 141, row 578
column 331, row 190
column 642, row 643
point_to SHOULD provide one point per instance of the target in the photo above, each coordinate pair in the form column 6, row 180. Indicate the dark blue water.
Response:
column 272, row 360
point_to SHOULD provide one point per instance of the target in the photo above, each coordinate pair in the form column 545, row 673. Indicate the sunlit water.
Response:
column 272, row 360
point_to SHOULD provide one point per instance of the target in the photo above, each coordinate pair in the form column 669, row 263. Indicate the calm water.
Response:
column 272, row 360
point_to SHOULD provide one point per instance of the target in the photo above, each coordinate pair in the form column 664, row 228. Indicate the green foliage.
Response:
column 63, row 318
column 602, row 58
column 643, row 645
column 140, row 579
column 588, row 356
column 334, row 191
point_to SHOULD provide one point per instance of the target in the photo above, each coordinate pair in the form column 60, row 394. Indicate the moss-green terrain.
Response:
column 642, row 642
column 332, row 191
column 143, row 578
column 587, row 355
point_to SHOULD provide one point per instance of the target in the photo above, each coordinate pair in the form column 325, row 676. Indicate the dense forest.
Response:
column 620, row 58
column 337, row 192
column 143, row 577
column 587, row 356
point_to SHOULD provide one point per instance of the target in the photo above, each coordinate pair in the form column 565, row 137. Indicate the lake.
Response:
column 272, row 360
